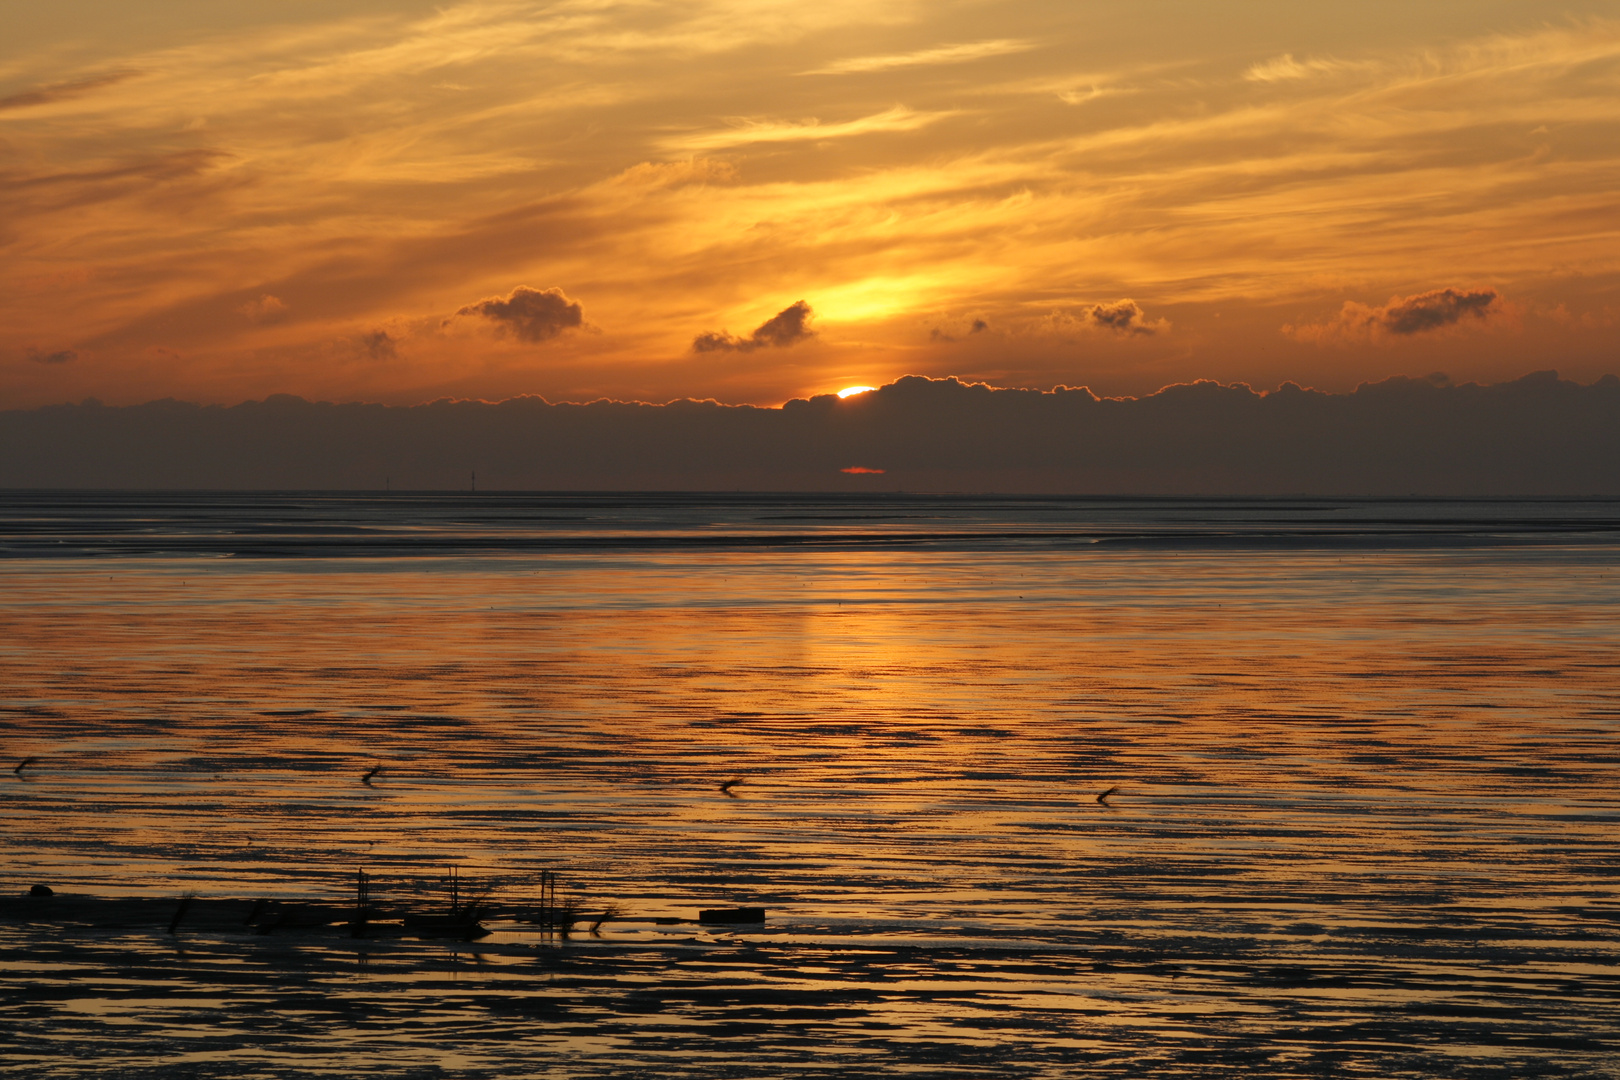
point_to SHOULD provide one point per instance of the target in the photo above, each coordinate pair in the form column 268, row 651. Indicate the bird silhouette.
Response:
column 24, row 763
column 366, row 779
column 725, row 788
column 1103, row 798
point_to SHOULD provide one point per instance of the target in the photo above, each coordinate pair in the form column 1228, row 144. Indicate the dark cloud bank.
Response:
column 1536, row 435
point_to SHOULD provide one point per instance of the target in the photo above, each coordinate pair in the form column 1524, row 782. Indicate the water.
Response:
column 1364, row 753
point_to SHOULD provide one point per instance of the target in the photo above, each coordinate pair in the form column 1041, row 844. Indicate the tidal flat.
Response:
column 1364, row 755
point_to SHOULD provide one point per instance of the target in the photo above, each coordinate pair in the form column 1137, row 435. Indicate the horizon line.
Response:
column 1437, row 380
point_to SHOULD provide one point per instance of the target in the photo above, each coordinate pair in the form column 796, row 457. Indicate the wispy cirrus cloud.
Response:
column 942, row 54
column 64, row 91
column 747, row 131
column 381, row 170
column 1285, row 68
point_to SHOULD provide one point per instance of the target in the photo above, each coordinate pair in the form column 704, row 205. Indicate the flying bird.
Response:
column 24, row 763
column 1103, row 798
column 726, row 787
column 366, row 779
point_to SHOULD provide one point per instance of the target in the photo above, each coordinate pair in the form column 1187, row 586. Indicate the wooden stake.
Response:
column 180, row 912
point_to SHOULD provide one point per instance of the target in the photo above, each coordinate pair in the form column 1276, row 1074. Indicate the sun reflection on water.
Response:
column 921, row 736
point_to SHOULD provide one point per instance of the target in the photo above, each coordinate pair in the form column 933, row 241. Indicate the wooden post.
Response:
column 180, row 912
column 362, row 903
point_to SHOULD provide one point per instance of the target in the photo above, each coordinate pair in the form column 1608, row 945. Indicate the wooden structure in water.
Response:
column 463, row 918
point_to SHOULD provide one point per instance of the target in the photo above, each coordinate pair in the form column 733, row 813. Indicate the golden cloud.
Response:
column 942, row 54
column 324, row 163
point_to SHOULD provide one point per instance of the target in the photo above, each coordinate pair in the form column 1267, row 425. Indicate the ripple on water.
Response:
column 1363, row 828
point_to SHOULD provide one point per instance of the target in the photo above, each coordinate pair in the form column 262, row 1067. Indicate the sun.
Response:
column 851, row 391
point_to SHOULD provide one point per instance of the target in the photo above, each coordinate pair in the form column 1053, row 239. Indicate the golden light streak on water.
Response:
column 1364, row 822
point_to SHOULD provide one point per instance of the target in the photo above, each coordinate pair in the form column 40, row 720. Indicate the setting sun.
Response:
column 851, row 391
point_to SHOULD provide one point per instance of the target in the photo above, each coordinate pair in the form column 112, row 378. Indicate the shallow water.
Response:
column 1364, row 754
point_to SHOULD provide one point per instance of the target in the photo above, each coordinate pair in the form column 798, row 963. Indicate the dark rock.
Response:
column 41, row 890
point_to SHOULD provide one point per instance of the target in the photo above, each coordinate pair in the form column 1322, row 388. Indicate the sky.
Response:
column 753, row 201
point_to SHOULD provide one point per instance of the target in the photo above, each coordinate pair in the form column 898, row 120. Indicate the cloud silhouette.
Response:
column 787, row 327
column 1403, row 315
column 936, row 334
column 1430, row 310
column 379, row 345
column 534, row 315
column 1122, row 317
column 61, row 356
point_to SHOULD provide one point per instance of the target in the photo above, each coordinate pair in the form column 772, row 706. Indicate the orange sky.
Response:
column 322, row 198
